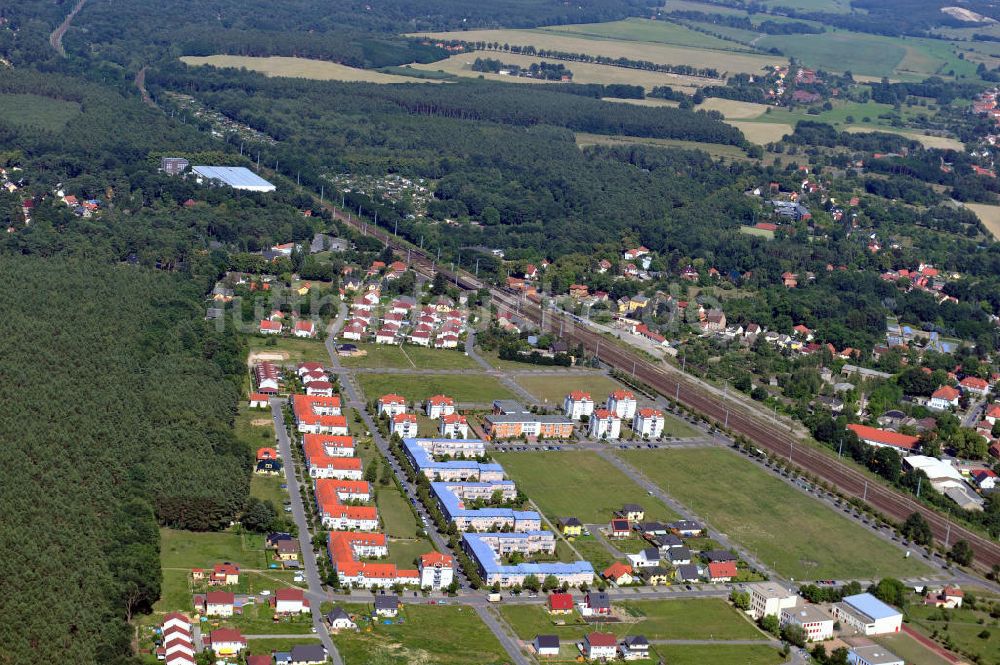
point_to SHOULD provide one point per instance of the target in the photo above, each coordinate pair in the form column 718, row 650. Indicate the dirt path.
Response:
column 55, row 39
column 140, row 83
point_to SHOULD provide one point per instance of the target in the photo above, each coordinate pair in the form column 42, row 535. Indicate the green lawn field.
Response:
column 391, row 356
column 254, row 427
column 644, row 30
column 258, row 619
column 265, row 646
column 37, row 111
column 553, row 388
column 479, row 388
column 268, row 488
column 799, row 536
column 578, row 484
column 910, row 650
column 189, row 549
column 687, row 619
column 697, row 654
column 395, row 512
column 450, row 635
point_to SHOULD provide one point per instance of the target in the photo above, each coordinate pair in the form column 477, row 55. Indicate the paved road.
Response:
column 313, row 581
column 510, row 643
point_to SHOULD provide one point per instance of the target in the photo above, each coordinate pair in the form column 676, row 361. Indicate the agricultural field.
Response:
column 37, row 111
column 717, row 151
column 649, row 101
column 873, row 55
column 471, row 387
column 784, row 528
column 583, row 72
column 426, row 634
column 989, row 215
column 762, row 132
column 928, row 141
column 645, row 30
column 727, row 61
column 552, row 388
column 393, row 356
column 732, row 109
column 306, row 68
column 578, row 484
column 189, row 549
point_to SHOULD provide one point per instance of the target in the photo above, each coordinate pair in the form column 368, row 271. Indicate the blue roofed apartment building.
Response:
column 491, row 533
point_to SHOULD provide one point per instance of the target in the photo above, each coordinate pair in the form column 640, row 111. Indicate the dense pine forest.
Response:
column 119, row 410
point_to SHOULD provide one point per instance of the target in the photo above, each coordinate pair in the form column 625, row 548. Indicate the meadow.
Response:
column 689, row 619
column 578, row 484
column 794, row 533
column 989, row 215
column 583, row 72
column 37, row 111
column 393, row 356
column 553, row 388
column 306, row 68
column 426, row 634
column 471, row 387
column 189, row 549
column 645, row 30
column 669, row 54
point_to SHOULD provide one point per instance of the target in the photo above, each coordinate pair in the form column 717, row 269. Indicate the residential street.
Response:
column 315, row 584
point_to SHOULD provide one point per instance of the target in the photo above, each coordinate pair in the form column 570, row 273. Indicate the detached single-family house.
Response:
column 290, row 601
column 219, row 604
column 546, row 645
column 571, row 526
column 721, row 571
column 387, row 606
column 597, row 602
column 226, row 642
column 618, row 573
column 986, row 479
column 620, row 528
column 949, row 597
column 339, row 619
column 600, row 646
column 560, row 603
column 634, row 647
column 307, row 654
column 633, row 512
column 975, row 386
column 647, row 558
column 305, row 329
column 688, row 573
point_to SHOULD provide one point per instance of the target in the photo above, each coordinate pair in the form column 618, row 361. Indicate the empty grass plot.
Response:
column 782, row 526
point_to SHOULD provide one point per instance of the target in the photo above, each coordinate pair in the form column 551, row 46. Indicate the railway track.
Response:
column 671, row 382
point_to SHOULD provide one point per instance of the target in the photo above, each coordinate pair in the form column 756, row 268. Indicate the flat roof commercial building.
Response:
column 237, row 177
column 868, row 615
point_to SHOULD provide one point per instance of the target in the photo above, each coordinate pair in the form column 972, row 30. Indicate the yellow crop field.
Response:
column 762, row 132
column 583, row 72
column 732, row 109
column 664, row 54
column 649, row 101
column 300, row 68
column 942, row 142
column 989, row 215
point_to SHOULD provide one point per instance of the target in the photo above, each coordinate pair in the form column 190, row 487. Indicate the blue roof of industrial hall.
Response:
column 235, row 176
column 871, row 606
